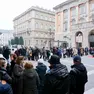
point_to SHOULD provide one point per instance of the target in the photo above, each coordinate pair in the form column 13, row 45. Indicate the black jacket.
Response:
column 41, row 70
column 4, row 75
column 30, row 81
column 17, row 79
column 6, row 53
column 57, row 80
column 78, row 76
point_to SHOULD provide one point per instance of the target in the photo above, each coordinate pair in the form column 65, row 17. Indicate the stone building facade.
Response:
column 74, row 21
column 37, row 26
column 5, row 37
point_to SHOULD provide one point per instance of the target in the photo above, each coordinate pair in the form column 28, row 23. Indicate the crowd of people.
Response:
column 18, row 76
column 37, row 53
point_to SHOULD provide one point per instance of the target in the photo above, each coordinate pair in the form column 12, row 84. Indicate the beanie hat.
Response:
column 77, row 59
column 54, row 59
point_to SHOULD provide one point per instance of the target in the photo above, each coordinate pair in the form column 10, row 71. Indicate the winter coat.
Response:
column 41, row 70
column 12, row 65
column 5, row 88
column 78, row 76
column 57, row 80
column 17, row 79
column 4, row 75
column 30, row 81
column 6, row 53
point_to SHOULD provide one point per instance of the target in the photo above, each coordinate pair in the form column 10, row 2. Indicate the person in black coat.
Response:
column 78, row 76
column 6, row 53
column 41, row 70
column 18, row 76
column 57, row 79
column 5, row 79
column 13, row 62
column 30, row 80
column 3, row 72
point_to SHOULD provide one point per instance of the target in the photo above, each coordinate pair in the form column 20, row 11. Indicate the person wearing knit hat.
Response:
column 54, row 59
column 57, row 79
column 77, row 59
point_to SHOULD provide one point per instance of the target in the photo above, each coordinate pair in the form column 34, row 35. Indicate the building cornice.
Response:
column 52, row 22
column 36, row 9
column 64, row 3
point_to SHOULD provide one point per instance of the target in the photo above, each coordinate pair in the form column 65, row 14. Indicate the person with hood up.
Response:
column 57, row 79
column 78, row 76
column 41, row 70
column 30, row 79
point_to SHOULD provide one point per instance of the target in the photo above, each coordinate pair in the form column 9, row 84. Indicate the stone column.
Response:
column 73, row 43
column 85, row 39
column 69, row 20
column 77, row 14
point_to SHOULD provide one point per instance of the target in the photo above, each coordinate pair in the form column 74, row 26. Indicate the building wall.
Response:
column 35, row 27
column 73, row 13
column 5, row 37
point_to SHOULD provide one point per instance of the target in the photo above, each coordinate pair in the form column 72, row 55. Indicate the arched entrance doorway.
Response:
column 64, row 44
column 79, row 39
column 91, row 38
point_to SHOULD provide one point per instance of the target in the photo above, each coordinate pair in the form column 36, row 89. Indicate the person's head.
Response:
column 19, row 60
column 28, row 65
column 3, row 63
column 54, row 60
column 76, row 59
column 13, row 57
column 40, row 61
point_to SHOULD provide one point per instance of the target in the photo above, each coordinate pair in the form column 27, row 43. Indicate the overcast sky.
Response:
column 9, row 9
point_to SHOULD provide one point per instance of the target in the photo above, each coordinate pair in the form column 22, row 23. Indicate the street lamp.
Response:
column 28, row 31
column 68, row 39
column 50, row 37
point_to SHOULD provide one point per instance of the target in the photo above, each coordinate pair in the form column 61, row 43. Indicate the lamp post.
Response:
column 50, row 37
column 68, row 39
column 58, row 43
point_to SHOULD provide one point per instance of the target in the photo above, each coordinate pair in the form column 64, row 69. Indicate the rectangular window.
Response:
column 82, row 9
column 73, row 22
column 37, row 25
column 65, row 26
column 73, row 12
column 36, row 15
column 41, row 16
column 41, row 42
column 41, row 26
column 36, row 42
column 29, row 42
column 65, row 14
column 92, row 6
